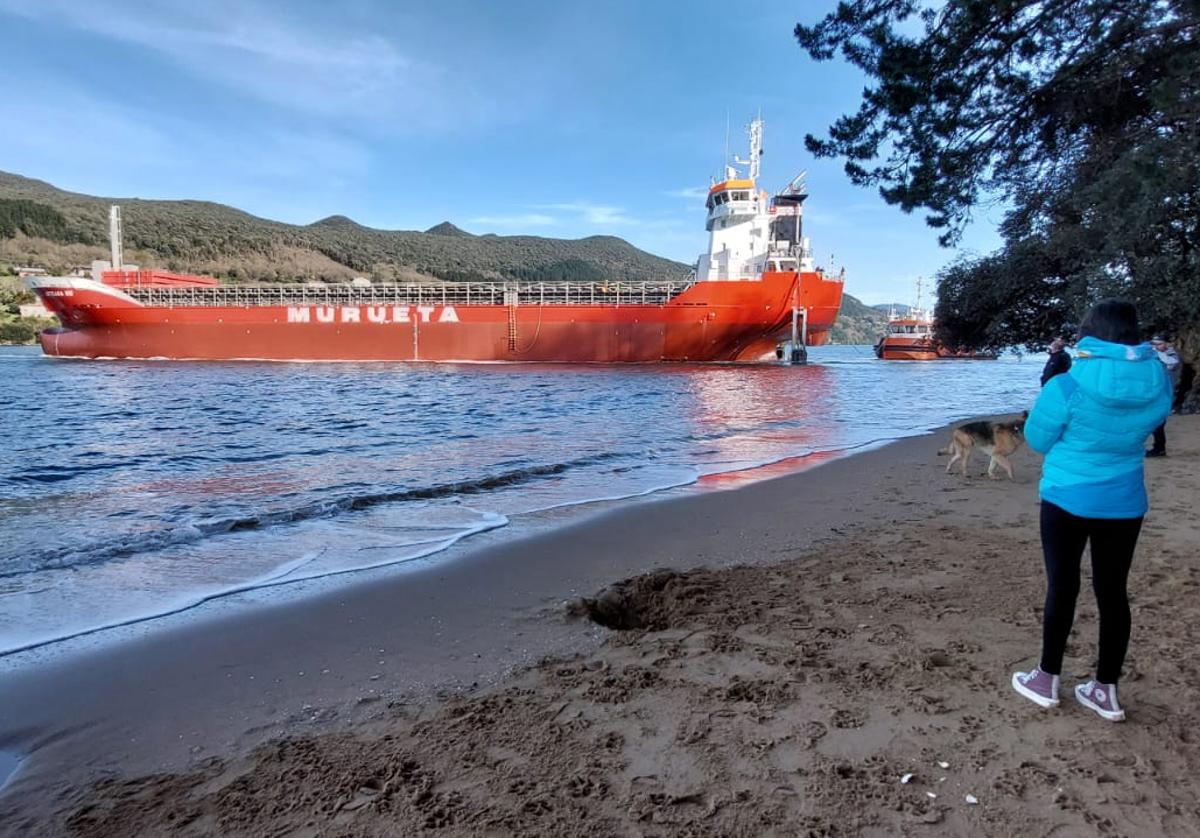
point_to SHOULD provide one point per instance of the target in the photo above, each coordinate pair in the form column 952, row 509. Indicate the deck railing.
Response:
column 414, row 293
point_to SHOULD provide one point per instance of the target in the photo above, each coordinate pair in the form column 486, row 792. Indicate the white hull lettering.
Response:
column 375, row 314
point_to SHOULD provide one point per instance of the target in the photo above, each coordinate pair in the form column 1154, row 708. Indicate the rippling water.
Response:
column 130, row 489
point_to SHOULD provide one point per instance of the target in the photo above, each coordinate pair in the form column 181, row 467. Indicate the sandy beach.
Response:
column 826, row 653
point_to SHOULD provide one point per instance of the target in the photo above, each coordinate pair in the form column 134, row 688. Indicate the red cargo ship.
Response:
column 754, row 289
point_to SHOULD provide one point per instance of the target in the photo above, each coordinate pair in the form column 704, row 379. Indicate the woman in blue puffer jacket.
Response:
column 1092, row 423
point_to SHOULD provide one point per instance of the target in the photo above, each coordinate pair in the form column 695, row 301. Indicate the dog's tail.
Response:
column 948, row 449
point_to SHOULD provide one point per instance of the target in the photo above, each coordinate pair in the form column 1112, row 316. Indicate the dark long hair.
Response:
column 1114, row 321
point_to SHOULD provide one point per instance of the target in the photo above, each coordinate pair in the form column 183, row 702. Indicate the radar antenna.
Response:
column 797, row 185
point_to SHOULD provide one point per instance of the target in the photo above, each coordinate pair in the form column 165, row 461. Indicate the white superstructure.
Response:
column 750, row 233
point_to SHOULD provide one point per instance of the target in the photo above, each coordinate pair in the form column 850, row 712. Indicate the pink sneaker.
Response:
column 1039, row 687
column 1101, row 698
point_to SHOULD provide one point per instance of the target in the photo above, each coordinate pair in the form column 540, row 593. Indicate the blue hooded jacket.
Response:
column 1092, row 424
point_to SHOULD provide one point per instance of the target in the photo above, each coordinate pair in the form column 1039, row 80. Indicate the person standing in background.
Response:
column 1170, row 359
column 1058, row 362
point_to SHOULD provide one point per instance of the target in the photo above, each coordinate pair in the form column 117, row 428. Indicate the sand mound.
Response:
column 655, row 601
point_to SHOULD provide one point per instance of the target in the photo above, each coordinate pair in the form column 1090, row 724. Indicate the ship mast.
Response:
column 756, row 149
column 755, row 130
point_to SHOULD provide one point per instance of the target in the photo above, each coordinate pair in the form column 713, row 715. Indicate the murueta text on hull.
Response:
column 371, row 314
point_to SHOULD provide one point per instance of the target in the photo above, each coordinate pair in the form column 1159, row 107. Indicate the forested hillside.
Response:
column 43, row 225
column 858, row 322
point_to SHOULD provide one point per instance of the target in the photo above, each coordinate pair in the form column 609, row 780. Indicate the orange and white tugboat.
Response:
column 910, row 337
column 755, row 288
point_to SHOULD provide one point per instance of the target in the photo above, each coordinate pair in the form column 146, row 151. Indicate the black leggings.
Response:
column 1160, row 438
column 1063, row 538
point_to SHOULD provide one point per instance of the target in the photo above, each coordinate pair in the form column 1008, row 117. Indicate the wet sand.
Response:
column 812, row 640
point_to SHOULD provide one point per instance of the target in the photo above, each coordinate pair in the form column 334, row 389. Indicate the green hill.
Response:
column 43, row 225
column 858, row 322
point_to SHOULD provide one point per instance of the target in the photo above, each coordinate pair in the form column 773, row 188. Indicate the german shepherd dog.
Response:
column 996, row 439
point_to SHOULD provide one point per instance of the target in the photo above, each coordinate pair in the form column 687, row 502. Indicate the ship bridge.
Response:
column 749, row 232
column 732, row 201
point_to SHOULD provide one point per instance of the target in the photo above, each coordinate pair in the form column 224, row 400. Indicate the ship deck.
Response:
column 414, row 293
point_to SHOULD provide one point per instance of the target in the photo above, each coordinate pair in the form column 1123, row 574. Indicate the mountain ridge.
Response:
column 208, row 237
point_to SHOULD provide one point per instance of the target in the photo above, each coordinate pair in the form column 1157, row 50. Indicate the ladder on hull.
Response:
column 510, row 301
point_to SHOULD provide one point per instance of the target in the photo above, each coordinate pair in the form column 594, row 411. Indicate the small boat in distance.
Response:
column 755, row 290
column 910, row 337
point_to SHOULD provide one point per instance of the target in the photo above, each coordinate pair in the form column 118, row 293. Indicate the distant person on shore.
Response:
column 1174, row 367
column 1058, row 362
column 1091, row 424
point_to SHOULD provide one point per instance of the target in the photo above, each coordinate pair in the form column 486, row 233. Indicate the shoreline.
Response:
column 495, row 557
column 350, row 659
column 76, row 643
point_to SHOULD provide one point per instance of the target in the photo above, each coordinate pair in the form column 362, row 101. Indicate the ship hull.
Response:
column 908, row 355
column 710, row 321
column 892, row 350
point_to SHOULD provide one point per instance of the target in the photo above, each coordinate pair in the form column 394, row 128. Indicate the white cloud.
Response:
column 520, row 220
column 60, row 125
column 269, row 170
column 667, row 235
column 691, row 193
column 591, row 213
column 294, row 155
column 310, row 67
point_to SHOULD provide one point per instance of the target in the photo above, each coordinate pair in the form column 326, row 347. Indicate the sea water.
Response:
column 134, row 490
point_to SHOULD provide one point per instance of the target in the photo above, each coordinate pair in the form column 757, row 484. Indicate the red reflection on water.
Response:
column 784, row 411
column 791, row 465
column 726, row 395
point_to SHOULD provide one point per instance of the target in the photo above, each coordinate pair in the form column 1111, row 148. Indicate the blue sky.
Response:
column 556, row 119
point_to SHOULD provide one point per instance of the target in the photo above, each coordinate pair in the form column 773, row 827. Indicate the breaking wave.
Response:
column 130, row 544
